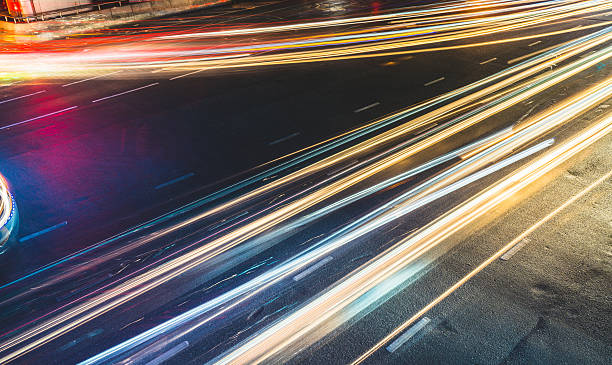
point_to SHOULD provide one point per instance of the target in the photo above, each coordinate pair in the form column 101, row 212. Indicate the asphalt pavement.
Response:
column 89, row 155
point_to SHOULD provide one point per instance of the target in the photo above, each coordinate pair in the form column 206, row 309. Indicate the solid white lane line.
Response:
column 312, row 269
column 489, row 60
column 21, row 97
column 39, row 117
column 91, row 78
column 514, row 249
column 408, row 334
column 366, row 107
column 434, row 81
column 125, row 92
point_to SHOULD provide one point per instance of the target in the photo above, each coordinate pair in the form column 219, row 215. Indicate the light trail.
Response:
column 162, row 273
column 373, row 42
column 441, row 103
column 564, row 112
column 446, row 116
column 327, row 54
column 254, row 287
column 354, row 289
column 337, row 22
column 445, row 130
column 480, row 267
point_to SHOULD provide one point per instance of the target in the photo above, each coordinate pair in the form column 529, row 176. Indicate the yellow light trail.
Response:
column 124, row 292
column 378, row 43
column 350, row 21
column 285, row 333
column 99, row 305
column 531, row 67
column 359, row 51
column 396, row 331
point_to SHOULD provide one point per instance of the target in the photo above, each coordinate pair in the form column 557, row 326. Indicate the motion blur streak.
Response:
column 424, row 27
column 537, row 126
column 430, row 118
column 375, row 279
column 443, row 108
column 6, row 203
column 481, row 267
column 336, row 22
column 255, row 286
column 157, row 273
column 298, row 248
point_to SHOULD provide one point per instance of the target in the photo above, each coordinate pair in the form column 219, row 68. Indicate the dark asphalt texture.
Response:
column 109, row 165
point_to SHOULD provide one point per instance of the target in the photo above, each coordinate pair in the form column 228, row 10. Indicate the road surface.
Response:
column 313, row 182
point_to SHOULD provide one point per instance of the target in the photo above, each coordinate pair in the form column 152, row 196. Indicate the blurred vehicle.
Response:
column 9, row 218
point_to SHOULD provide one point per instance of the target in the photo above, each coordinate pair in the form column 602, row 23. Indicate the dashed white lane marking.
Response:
column 284, row 139
column 187, row 74
column 43, row 231
column 514, row 249
column 489, row 60
column 131, row 323
column 125, row 92
column 173, row 181
column 312, row 269
column 534, row 43
column 206, row 68
column 434, row 81
column 91, row 78
column 413, row 330
column 22, row 96
column 39, row 117
column 514, row 60
column 366, row 107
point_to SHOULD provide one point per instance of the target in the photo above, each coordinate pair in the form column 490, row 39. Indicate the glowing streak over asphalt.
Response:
column 428, row 29
column 282, row 337
column 530, row 67
column 482, row 266
column 283, row 271
column 528, row 132
column 98, row 305
column 336, row 22
column 156, row 276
